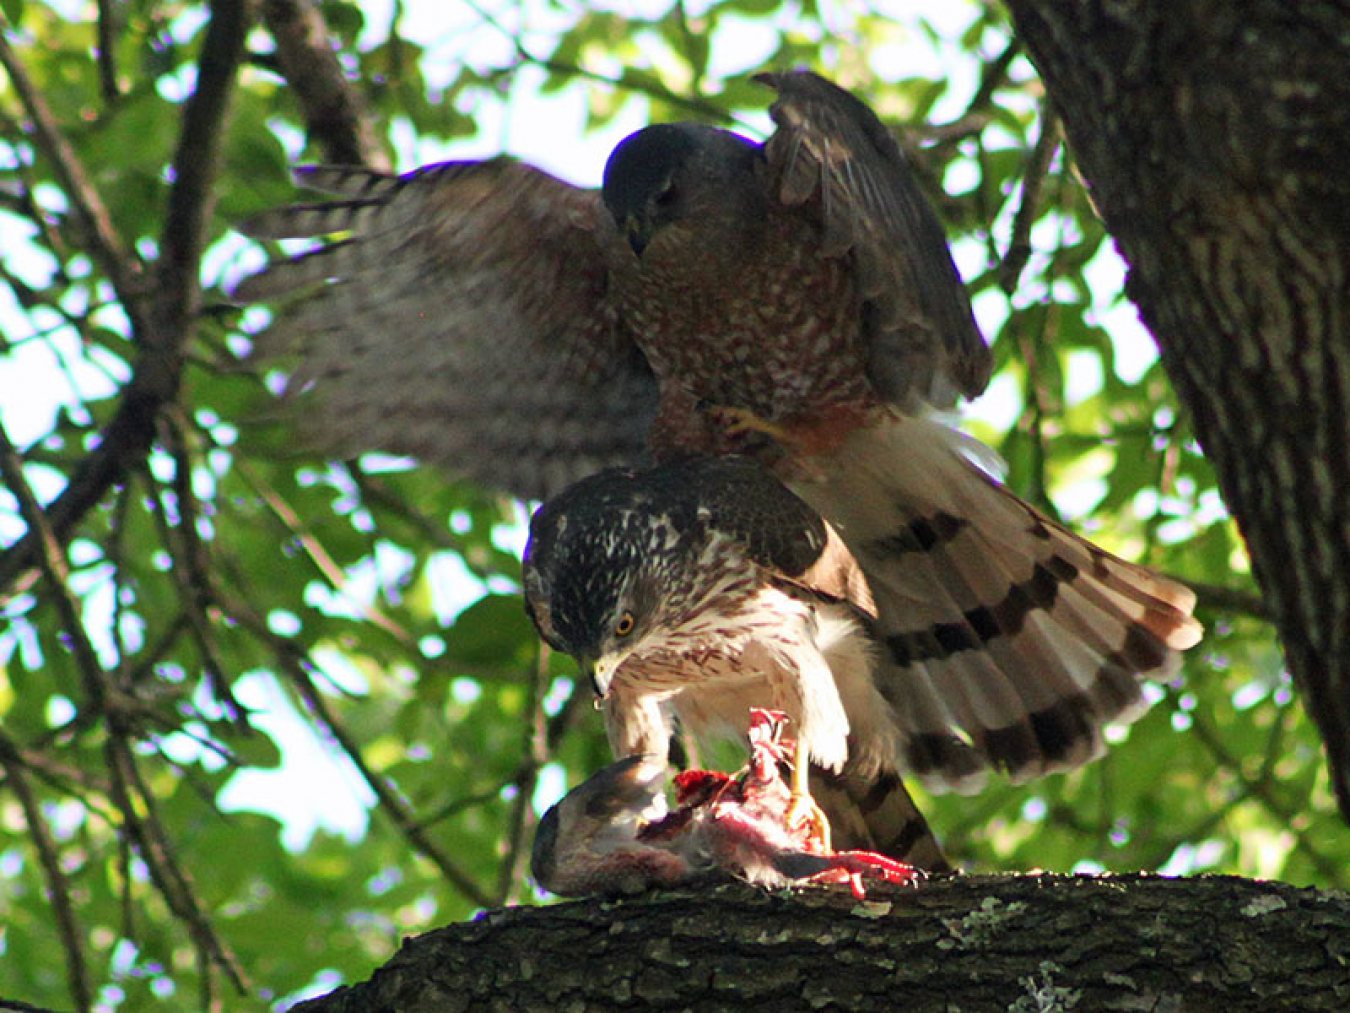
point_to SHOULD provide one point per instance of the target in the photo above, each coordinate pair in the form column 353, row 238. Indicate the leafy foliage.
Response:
column 237, row 641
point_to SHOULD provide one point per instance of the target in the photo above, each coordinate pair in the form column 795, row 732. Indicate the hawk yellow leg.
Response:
column 802, row 809
column 743, row 420
column 819, row 436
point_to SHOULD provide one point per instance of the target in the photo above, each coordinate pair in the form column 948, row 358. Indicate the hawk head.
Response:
column 624, row 562
column 674, row 171
column 608, row 567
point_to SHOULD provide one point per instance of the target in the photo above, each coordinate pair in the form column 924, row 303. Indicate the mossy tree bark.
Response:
column 1021, row 943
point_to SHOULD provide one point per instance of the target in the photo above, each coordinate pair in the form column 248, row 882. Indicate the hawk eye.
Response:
column 625, row 624
column 666, row 196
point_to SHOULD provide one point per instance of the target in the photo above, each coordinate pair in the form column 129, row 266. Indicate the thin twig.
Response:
column 140, row 812
column 56, row 573
column 58, row 886
column 113, row 553
column 1164, row 847
column 51, row 226
column 150, row 656
column 536, row 754
column 977, row 112
column 992, row 77
column 428, row 530
column 109, row 28
column 1263, row 792
column 192, row 570
column 650, row 87
column 326, row 565
column 1033, row 182
column 297, row 665
column 114, row 258
column 1030, row 347
column 1227, row 599
column 68, row 780
column 458, row 805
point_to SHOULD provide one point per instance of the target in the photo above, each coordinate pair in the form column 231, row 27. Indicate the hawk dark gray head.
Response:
column 671, row 171
column 620, row 560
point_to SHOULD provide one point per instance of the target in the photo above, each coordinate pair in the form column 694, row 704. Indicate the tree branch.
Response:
column 334, row 111
column 164, row 332
column 58, row 886
column 980, row 943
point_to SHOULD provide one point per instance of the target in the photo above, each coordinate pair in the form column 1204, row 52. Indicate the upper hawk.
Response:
column 525, row 332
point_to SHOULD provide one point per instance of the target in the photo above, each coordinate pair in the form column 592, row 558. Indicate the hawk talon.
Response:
column 742, row 421
column 808, row 821
column 803, row 439
column 851, row 866
column 804, row 817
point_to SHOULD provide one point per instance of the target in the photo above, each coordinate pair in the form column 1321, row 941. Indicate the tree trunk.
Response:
column 1215, row 140
column 1023, row 943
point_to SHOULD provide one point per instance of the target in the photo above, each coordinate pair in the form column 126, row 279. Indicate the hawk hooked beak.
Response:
column 637, row 230
column 601, row 672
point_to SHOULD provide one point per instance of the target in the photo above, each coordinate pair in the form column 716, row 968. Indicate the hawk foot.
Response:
column 852, row 866
column 820, row 436
column 805, row 818
column 807, row 821
column 740, row 421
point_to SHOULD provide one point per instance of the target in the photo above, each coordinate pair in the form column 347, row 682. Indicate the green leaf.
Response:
column 493, row 634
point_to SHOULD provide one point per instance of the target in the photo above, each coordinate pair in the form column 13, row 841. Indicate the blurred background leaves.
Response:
column 322, row 719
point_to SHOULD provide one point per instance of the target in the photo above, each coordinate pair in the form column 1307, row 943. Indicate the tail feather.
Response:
column 876, row 813
column 1005, row 640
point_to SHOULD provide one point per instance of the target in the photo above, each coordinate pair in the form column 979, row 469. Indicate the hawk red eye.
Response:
column 625, row 625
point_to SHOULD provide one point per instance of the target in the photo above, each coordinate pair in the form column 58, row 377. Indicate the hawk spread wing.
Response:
column 462, row 314
column 1004, row 639
column 832, row 152
column 490, row 318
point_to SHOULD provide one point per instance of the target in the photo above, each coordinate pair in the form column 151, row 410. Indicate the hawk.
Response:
column 792, row 301
column 697, row 589
column 526, row 332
